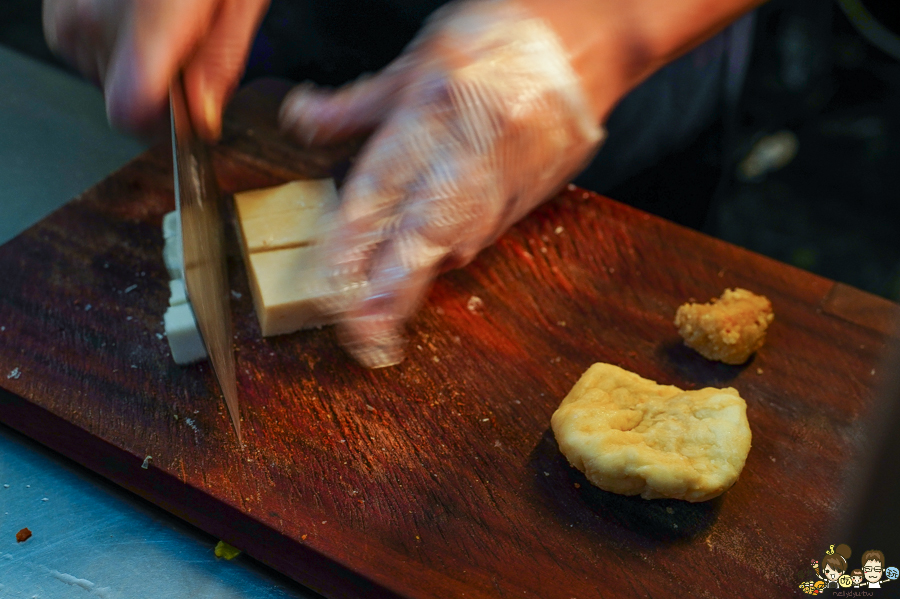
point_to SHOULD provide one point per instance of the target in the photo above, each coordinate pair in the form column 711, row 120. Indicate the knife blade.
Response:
column 197, row 200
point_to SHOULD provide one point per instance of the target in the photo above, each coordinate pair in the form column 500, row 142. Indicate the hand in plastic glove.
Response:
column 481, row 119
column 133, row 48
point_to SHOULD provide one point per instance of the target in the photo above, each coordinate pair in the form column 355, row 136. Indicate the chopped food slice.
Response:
column 173, row 257
column 632, row 436
column 728, row 329
column 283, row 216
column 177, row 292
column 171, row 225
column 184, row 337
column 284, row 290
column 182, row 332
column 278, row 226
column 23, row 535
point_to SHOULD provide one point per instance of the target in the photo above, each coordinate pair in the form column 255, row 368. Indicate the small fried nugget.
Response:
column 632, row 436
column 728, row 329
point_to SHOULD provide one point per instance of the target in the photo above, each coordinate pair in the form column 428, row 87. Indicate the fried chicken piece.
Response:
column 728, row 329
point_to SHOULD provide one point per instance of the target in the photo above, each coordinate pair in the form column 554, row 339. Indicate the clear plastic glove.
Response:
column 481, row 119
column 133, row 48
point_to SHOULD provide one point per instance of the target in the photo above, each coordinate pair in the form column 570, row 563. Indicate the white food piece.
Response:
column 185, row 341
column 284, row 216
column 177, row 292
column 173, row 254
column 183, row 335
column 171, row 225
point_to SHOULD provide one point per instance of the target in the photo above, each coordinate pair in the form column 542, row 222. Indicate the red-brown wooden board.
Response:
column 439, row 477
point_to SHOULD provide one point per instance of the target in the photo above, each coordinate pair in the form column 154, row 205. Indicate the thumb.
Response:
column 316, row 116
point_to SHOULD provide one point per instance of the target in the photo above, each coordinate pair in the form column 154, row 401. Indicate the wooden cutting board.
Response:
column 439, row 477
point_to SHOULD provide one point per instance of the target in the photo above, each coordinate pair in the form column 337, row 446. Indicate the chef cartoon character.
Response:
column 834, row 564
column 873, row 569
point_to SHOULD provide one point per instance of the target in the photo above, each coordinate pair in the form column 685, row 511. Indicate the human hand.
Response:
column 134, row 48
column 481, row 119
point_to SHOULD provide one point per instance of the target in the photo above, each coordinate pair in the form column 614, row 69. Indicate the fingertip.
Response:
column 374, row 340
column 132, row 103
column 312, row 115
column 212, row 117
column 205, row 100
column 50, row 22
column 297, row 114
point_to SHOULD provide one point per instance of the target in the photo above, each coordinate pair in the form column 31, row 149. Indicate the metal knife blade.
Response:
column 205, row 272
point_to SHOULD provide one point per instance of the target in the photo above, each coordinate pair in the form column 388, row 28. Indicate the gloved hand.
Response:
column 481, row 119
column 133, row 48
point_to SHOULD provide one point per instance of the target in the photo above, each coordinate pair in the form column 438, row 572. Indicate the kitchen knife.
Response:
column 205, row 273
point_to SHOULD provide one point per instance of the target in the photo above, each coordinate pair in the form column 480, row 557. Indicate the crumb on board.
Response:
column 727, row 329
column 146, row 463
column 23, row 535
column 224, row 550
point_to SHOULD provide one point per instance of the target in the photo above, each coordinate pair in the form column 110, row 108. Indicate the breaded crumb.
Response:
column 728, row 329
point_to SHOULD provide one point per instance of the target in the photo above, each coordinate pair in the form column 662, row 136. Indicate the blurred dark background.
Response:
column 805, row 170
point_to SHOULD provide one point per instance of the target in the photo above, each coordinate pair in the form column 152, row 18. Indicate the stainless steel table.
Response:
column 91, row 539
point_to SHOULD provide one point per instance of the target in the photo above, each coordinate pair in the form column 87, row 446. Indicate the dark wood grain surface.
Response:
column 438, row 477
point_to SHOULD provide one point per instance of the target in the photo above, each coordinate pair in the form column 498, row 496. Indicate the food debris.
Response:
column 130, row 288
column 759, row 371
column 146, row 463
column 670, row 510
column 23, row 535
column 226, row 551
column 14, row 373
column 475, row 303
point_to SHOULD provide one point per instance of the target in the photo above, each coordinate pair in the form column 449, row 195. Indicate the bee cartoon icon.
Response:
column 834, row 564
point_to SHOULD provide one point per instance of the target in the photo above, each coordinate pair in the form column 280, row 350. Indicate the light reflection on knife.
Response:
column 205, row 273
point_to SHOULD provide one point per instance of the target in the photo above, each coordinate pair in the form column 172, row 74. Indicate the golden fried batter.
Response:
column 728, row 329
column 632, row 436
